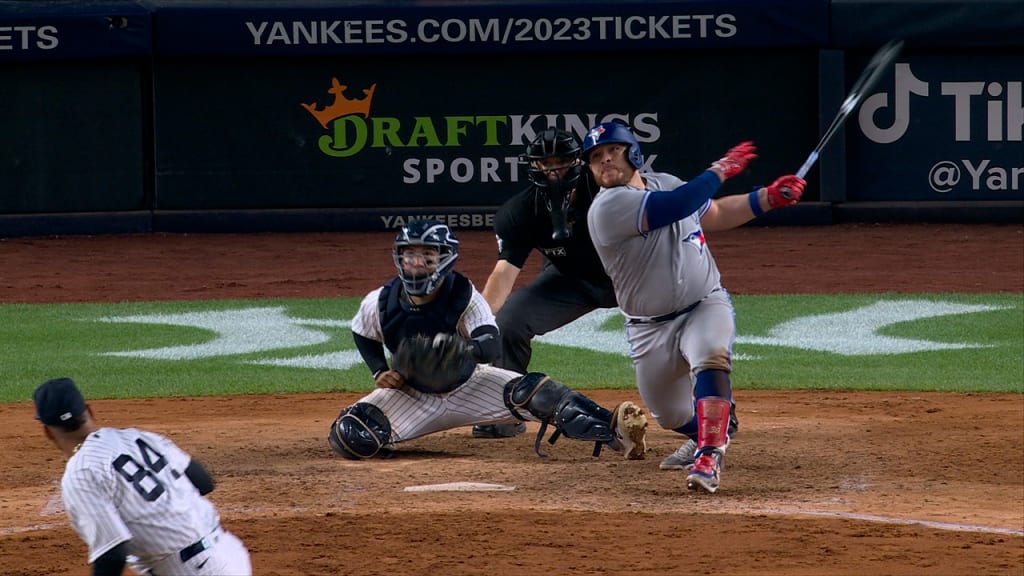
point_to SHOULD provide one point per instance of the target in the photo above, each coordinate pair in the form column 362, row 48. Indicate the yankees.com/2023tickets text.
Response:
column 492, row 30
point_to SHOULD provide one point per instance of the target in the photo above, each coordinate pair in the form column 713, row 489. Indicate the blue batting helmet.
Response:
column 609, row 132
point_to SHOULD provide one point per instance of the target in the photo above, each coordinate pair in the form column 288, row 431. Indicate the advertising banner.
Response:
column 932, row 23
column 71, row 30
column 72, row 137
column 426, row 131
column 410, row 27
column 943, row 125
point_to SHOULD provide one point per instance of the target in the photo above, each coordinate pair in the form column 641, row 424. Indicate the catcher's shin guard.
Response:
column 570, row 412
column 360, row 431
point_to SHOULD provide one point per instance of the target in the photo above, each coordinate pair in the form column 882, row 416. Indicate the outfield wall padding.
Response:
column 334, row 114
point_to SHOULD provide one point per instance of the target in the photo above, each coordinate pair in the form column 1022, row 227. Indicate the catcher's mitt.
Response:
column 435, row 364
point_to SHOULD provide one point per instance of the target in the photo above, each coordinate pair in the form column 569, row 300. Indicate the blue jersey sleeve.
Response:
column 665, row 207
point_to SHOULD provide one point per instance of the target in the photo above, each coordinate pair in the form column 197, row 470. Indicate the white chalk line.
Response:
column 33, row 528
column 891, row 520
column 253, row 511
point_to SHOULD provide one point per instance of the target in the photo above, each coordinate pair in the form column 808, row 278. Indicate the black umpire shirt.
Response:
column 523, row 224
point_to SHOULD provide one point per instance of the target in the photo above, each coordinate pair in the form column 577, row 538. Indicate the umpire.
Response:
column 551, row 217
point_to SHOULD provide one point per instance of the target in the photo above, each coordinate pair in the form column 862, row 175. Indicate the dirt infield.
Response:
column 816, row 482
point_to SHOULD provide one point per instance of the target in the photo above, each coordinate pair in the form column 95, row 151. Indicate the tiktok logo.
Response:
column 906, row 84
column 1004, row 108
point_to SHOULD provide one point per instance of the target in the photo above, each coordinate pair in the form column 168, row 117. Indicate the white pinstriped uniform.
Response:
column 480, row 400
column 129, row 485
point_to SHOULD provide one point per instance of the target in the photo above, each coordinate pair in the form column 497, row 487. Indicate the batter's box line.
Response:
column 263, row 510
column 888, row 520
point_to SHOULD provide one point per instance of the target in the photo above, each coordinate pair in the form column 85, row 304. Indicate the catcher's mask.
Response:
column 553, row 165
column 613, row 132
column 426, row 233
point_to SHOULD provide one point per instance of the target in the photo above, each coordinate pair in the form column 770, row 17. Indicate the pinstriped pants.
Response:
column 413, row 414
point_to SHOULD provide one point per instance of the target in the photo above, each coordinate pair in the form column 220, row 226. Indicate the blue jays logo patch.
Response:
column 595, row 134
column 697, row 239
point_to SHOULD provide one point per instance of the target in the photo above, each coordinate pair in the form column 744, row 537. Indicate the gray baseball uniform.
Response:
column 412, row 414
column 128, row 485
column 679, row 319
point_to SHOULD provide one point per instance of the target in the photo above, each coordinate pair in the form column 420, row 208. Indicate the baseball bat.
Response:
column 867, row 80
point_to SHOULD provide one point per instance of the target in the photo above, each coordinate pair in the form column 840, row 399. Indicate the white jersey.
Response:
column 129, row 485
column 662, row 271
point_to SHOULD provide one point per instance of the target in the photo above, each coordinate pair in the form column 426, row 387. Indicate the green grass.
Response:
column 999, row 367
column 44, row 341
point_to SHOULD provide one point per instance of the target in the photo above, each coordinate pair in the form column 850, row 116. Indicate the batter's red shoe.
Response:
column 706, row 470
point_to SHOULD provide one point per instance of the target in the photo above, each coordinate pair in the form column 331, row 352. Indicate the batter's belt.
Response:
column 666, row 317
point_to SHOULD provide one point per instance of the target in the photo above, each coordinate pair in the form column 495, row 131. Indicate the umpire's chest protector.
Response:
column 400, row 319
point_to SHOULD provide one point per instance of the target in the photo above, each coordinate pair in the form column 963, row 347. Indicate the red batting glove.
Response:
column 786, row 191
column 736, row 159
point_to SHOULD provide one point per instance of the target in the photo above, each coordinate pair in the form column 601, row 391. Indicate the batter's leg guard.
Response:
column 712, row 440
column 361, row 431
column 690, row 428
column 717, row 383
column 570, row 412
column 713, row 421
column 684, row 456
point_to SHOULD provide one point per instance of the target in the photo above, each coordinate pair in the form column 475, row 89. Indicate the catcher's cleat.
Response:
column 498, row 430
column 629, row 424
column 704, row 475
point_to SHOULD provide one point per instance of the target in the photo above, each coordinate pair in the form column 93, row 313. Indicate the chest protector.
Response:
column 400, row 318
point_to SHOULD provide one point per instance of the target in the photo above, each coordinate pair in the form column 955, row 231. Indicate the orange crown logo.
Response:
column 341, row 106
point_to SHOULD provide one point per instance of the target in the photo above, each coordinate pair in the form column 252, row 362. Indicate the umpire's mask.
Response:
column 553, row 165
column 556, row 199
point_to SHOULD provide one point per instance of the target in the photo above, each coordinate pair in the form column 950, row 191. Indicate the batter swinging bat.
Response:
column 868, row 78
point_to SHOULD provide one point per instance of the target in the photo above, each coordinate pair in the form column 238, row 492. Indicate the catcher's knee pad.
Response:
column 572, row 413
column 360, row 431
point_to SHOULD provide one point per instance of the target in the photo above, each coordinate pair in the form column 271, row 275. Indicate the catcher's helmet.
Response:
column 552, row 142
column 426, row 233
column 609, row 132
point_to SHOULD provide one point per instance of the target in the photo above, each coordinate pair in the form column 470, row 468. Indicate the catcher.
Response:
column 442, row 336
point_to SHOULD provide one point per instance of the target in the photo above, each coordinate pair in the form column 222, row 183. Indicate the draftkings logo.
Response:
column 339, row 116
column 451, row 147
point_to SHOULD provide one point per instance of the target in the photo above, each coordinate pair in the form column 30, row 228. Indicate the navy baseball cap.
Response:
column 58, row 401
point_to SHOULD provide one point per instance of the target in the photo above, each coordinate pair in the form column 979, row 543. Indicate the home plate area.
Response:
column 460, row 487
